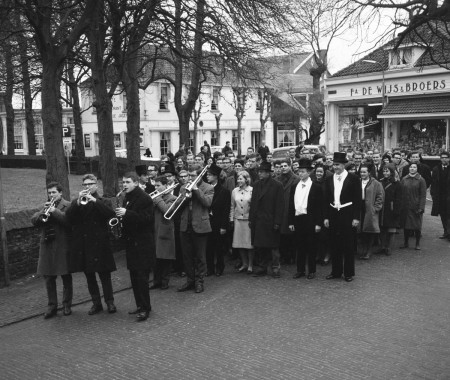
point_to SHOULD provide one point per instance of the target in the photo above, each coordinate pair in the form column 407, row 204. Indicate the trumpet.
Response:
column 157, row 194
column 175, row 206
column 46, row 213
column 84, row 199
column 115, row 223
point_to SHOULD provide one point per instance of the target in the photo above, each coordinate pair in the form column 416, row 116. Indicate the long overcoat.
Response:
column 390, row 212
column 288, row 187
column 138, row 230
column 53, row 260
column 266, row 211
column 220, row 208
column 373, row 202
column 441, row 199
column 90, row 248
column 414, row 190
column 164, row 229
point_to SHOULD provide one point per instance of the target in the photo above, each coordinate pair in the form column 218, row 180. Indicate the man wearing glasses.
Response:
column 90, row 251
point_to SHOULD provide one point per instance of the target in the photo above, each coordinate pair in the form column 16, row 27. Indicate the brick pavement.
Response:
column 390, row 323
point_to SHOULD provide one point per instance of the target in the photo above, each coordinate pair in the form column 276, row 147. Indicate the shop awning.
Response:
column 436, row 106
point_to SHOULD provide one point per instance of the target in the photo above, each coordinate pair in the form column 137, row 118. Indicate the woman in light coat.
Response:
column 239, row 218
column 372, row 203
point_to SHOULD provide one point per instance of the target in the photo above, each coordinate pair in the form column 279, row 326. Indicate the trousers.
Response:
column 50, row 284
column 306, row 239
column 162, row 271
column 94, row 291
column 194, row 255
column 215, row 252
column 141, row 292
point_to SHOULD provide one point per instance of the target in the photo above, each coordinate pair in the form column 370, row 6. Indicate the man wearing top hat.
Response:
column 305, row 217
column 141, row 171
column 219, row 215
column 343, row 199
column 265, row 218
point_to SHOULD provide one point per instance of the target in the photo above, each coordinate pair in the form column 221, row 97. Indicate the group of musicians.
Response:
column 182, row 217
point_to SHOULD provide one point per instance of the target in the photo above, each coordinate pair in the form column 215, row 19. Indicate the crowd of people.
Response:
column 191, row 211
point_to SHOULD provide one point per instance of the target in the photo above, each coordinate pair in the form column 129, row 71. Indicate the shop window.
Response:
column 164, row 99
column 215, row 99
column 164, row 142
column 18, row 134
column 214, row 138
column 429, row 136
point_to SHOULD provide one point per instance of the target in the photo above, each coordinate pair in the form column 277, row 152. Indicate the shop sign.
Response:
column 402, row 87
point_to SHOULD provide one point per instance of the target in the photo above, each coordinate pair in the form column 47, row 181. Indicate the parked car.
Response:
column 280, row 153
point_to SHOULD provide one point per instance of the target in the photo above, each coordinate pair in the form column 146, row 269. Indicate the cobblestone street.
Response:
column 392, row 322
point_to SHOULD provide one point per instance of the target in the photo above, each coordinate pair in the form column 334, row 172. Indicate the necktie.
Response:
column 339, row 177
column 303, row 185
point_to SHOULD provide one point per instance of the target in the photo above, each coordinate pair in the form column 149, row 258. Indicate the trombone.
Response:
column 46, row 213
column 84, row 199
column 157, row 194
column 175, row 206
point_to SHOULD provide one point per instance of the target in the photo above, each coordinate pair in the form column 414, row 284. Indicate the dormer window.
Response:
column 400, row 57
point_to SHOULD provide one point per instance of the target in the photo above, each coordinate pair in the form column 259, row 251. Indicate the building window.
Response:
column 124, row 102
column 92, row 99
column 96, row 142
column 141, row 138
column 72, row 133
column 191, row 142
column 215, row 99
column 401, row 57
column 214, row 138
column 38, row 133
column 87, row 141
column 18, row 134
column 117, row 142
column 164, row 100
column 259, row 102
column 234, row 140
column 285, row 134
column 164, row 142
column 256, row 140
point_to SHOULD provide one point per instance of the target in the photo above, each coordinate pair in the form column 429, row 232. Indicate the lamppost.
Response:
column 382, row 91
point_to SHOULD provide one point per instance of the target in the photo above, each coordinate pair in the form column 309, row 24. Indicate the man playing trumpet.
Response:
column 53, row 249
column 90, row 251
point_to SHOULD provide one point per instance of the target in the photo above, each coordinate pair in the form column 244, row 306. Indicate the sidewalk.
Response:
column 26, row 298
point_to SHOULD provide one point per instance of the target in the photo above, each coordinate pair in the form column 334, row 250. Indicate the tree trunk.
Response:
column 184, row 128
column 52, row 125
column 76, row 110
column 103, row 105
column 217, row 117
column 131, row 84
column 196, row 150
column 239, row 131
column 8, row 98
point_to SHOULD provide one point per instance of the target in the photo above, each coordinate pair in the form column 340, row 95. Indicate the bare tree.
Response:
column 240, row 97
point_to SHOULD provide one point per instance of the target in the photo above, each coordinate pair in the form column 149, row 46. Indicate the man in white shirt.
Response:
column 343, row 200
column 305, row 218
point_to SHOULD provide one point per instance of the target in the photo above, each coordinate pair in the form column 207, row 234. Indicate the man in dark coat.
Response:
column 144, row 184
column 265, row 219
column 219, row 215
column 137, row 220
column 343, row 198
column 263, row 150
column 422, row 169
column 90, row 251
column 440, row 192
column 305, row 218
column 194, row 229
column 53, row 249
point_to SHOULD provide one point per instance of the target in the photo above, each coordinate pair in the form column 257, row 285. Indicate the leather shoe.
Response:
column 199, row 288
column 111, row 308
column 137, row 311
column 95, row 309
column 348, row 279
column 332, row 276
column 142, row 316
column 276, row 273
column 155, row 286
column 311, row 276
column 164, row 286
column 186, row 286
column 444, row 236
column 259, row 273
column 298, row 275
column 50, row 313
column 67, row 310
column 242, row 269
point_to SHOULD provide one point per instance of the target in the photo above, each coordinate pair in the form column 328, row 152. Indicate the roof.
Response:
column 436, row 42
column 434, row 104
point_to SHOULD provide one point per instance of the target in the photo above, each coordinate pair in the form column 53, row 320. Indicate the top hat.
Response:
column 214, row 170
column 340, row 157
column 304, row 163
column 168, row 168
column 141, row 169
column 265, row 166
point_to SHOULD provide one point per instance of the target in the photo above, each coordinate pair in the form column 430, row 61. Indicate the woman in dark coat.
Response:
column 389, row 219
column 414, row 191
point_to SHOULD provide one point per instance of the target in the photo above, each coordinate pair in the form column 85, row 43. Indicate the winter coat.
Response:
column 220, row 208
column 201, row 202
column 392, row 201
column 53, row 252
column 423, row 170
column 288, row 188
column 266, row 211
column 164, row 229
column 90, row 249
column 414, row 191
column 440, row 191
column 373, row 202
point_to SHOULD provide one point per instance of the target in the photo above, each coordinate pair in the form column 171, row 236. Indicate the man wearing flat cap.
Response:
column 219, row 214
column 342, row 211
column 141, row 171
column 265, row 218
